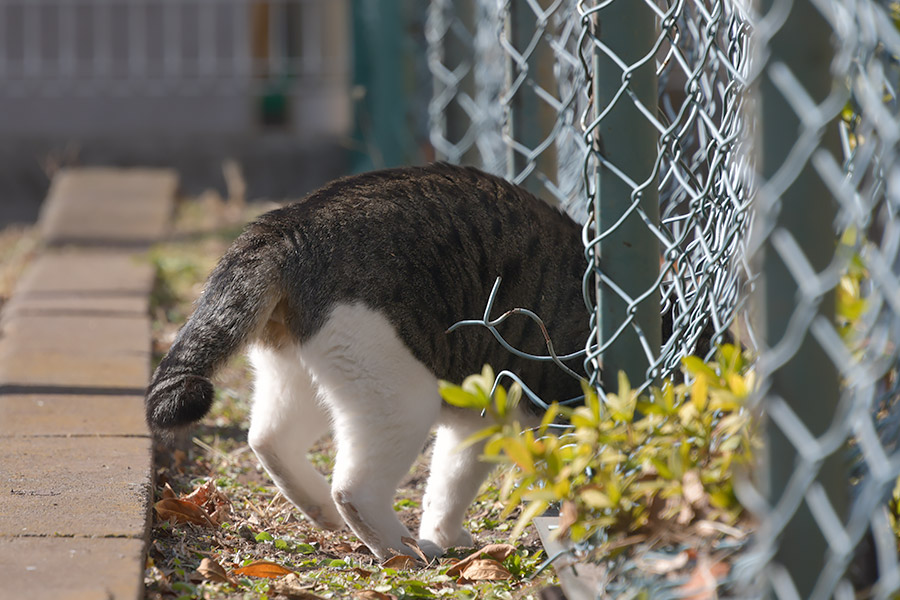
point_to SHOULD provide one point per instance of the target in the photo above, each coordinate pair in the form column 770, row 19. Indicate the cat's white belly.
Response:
column 357, row 378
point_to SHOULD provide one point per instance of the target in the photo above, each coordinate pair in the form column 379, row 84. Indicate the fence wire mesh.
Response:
column 781, row 121
column 507, row 90
column 512, row 93
column 826, row 242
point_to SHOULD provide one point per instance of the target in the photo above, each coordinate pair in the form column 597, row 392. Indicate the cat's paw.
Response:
column 430, row 549
column 462, row 539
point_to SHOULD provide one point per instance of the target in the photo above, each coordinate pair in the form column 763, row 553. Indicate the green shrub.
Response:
column 630, row 460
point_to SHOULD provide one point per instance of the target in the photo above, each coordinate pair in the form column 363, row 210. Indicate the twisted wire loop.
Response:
column 536, row 115
column 491, row 325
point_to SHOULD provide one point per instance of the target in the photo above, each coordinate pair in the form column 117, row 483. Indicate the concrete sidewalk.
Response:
column 75, row 455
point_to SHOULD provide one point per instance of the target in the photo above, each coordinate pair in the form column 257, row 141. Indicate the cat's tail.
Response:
column 239, row 298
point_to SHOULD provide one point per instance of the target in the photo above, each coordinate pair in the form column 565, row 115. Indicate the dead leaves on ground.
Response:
column 181, row 511
column 263, row 568
column 293, row 588
column 401, row 562
column 484, row 569
column 213, row 571
column 484, row 565
column 373, row 595
column 412, row 543
column 205, row 506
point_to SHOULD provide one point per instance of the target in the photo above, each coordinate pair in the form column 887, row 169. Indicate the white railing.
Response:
column 124, row 47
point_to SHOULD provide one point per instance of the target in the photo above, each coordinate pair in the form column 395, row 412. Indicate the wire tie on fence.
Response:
column 491, row 325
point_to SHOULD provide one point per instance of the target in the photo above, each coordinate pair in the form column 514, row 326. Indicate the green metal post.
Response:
column 380, row 65
column 809, row 381
column 629, row 255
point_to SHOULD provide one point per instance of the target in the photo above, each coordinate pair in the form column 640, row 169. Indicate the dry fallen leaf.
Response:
column 214, row 502
column 263, row 568
column 202, row 493
column 373, row 595
column 361, row 549
column 361, row 572
column 168, row 492
column 213, row 571
column 292, row 587
column 412, row 543
column 483, row 569
column 221, row 514
column 498, row 552
column 401, row 561
column 180, row 511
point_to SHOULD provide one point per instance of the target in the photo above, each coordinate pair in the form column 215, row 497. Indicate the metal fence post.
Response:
column 625, row 189
column 380, row 61
column 807, row 383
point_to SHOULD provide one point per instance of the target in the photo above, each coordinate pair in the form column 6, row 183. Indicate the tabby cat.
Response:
column 344, row 300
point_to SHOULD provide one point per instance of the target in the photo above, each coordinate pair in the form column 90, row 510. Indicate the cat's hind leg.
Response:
column 286, row 420
column 455, row 476
column 383, row 402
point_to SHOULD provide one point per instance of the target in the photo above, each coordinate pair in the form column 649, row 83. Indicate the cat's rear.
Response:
column 344, row 300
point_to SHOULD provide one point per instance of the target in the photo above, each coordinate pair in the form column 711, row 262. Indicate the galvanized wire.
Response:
column 863, row 178
column 702, row 61
column 702, row 178
column 506, row 92
column 710, row 198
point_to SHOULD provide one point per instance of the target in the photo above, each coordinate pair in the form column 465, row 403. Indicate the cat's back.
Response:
column 424, row 246
column 437, row 194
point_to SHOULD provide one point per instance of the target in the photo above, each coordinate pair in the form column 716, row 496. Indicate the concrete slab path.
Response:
column 75, row 456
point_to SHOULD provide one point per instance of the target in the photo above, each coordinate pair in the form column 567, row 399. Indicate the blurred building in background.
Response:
column 183, row 83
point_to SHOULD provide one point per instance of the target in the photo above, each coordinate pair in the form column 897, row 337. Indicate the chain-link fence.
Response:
column 529, row 91
column 726, row 159
column 826, row 247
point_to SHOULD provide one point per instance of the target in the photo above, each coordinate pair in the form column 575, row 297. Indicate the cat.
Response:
column 344, row 300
